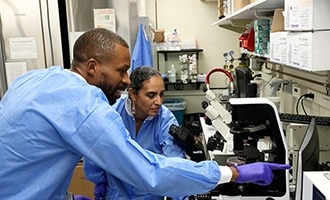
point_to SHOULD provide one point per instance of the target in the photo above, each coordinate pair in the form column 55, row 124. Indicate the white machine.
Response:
column 254, row 122
column 316, row 185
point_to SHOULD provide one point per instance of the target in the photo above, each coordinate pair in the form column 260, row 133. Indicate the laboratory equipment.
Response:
column 243, row 76
column 308, row 156
column 188, row 140
column 316, row 185
column 257, row 136
column 304, row 119
column 275, row 86
column 214, row 108
column 235, row 161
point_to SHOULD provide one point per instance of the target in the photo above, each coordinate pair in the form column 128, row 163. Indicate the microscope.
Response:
column 246, row 127
column 257, row 137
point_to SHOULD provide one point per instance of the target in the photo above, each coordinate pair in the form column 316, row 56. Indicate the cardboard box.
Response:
column 306, row 15
column 79, row 184
column 308, row 50
column 278, row 49
column 238, row 4
column 278, row 21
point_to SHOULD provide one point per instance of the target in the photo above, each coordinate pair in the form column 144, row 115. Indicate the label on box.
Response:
column 300, row 48
column 304, row 15
column 279, row 47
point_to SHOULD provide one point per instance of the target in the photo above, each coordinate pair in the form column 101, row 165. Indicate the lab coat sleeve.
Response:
column 103, row 139
column 93, row 172
column 170, row 148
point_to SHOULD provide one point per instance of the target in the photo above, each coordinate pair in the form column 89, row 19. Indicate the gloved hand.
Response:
column 100, row 190
column 80, row 197
column 259, row 172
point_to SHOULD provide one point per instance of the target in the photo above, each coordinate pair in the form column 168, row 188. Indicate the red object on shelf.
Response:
column 247, row 39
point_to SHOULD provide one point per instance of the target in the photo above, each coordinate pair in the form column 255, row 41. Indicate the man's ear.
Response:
column 91, row 66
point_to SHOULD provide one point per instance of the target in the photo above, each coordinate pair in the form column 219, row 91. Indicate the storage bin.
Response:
column 177, row 106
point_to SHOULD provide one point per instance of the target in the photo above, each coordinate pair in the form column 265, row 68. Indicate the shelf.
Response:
column 179, row 85
column 166, row 52
column 238, row 20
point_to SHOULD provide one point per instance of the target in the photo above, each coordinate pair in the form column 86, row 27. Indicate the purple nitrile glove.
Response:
column 100, row 190
column 80, row 197
column 259, row 172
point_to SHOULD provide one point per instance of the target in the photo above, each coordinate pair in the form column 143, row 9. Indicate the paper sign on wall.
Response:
column 105, row 18
column 23, row 48
column 13, row 70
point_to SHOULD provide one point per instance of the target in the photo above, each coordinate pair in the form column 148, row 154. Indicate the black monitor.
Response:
column 308, row 156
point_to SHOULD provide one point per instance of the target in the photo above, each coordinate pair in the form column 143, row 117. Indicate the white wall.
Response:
column 193, row 19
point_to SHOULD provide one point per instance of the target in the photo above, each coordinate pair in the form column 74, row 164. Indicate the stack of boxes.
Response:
column 261, row 36
column 303, row 41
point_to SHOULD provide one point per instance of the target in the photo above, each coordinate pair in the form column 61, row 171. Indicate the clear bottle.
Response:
column 172, row 76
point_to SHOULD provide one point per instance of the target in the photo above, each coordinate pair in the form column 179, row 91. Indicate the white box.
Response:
column 316, row 180
column 306, row 15
column 278, row 47
column 308, row 50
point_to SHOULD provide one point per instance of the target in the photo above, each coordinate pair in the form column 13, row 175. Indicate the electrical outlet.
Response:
column 296, row 90
column 320, row 99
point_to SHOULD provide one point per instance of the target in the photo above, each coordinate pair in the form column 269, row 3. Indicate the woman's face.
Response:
column 149, row 98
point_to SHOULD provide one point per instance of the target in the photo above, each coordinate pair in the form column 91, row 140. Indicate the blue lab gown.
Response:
column 50, row 118
column 153, row 135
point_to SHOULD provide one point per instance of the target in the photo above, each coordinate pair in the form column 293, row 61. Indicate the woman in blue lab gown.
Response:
column 148, row 122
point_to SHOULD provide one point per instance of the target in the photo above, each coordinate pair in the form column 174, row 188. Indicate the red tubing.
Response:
column 228, row 74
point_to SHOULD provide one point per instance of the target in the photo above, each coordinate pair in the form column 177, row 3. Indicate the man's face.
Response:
column 113, row 77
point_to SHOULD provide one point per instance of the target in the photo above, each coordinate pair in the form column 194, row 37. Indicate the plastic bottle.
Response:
column 172, row 76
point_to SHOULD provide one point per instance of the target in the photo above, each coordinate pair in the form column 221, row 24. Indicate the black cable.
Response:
column 303, row 107
column 178, row 86
column 297, row 104
column 308, row 95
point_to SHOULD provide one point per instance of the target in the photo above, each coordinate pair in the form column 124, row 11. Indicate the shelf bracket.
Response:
column 258, row 15
column 239, row 23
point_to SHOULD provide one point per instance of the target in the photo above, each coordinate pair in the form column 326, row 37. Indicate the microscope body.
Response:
column 258, row 137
